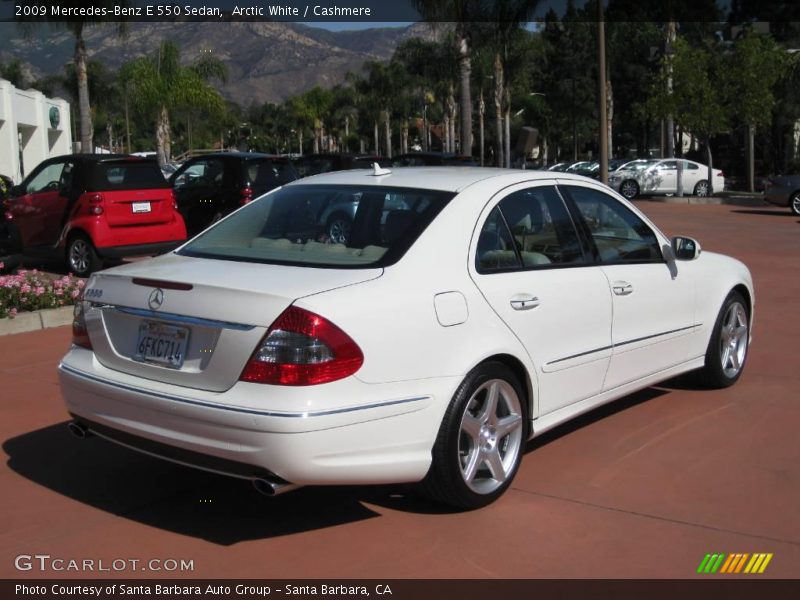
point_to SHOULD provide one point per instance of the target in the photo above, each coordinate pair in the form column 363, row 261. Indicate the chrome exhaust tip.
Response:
column 79, row 430
column 273, row 488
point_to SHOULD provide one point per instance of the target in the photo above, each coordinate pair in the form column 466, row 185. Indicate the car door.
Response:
column 197, row 186
column 653, row 299
column 39, row 211
column 530, row 265
column 666, row 177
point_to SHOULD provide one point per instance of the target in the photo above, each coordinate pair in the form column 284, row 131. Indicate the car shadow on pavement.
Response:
column 777, row 212
column 215, row 508
column 593, row 416
column 183, row 500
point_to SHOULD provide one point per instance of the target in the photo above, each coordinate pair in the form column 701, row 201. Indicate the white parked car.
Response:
column 661, row 177
column 469, row 311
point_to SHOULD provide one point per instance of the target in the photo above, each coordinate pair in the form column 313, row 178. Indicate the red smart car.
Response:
column 90, row 207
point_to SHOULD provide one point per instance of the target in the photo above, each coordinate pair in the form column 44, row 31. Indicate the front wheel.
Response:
column 794, row 204
column 727, row 348
column 82, row 258
column 701, row 189
column 629, row 189
column 481, row 438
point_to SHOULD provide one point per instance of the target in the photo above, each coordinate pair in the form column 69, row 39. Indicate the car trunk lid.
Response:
column 195, row 322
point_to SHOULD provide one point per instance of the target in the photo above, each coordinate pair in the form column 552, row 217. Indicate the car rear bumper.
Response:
column 138, row 249
column 383, row 435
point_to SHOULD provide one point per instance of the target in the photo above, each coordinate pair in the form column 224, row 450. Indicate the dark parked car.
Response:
column 784, row 191
column 210, row 187
column 89, row 207
column 426, row 159
column 314, row 164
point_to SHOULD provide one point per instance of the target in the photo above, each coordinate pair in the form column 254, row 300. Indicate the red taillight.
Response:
column 173, row 199
column 720, row 174
column 9, row 215
column 95, row 204
column 245, row 196
column 80, row 336
column 302, row 348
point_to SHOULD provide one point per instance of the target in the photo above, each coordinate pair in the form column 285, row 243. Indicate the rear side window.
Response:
column 291, row 226
column 112, row 176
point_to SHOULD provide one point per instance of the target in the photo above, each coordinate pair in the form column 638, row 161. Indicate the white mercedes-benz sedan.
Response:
column 467, row 311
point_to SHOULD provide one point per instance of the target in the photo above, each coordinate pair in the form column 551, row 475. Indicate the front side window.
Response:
column 619, row 235
column 289, row 226
column 529, row 229
column 48, row 179
column 201, row 173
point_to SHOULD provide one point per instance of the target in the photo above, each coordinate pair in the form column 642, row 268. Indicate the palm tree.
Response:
column 161, row 84
column 78, row 27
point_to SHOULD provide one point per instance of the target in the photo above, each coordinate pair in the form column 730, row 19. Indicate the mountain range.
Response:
column 267, row 61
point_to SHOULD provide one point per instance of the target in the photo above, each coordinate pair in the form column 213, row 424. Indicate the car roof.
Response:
column 448, row 179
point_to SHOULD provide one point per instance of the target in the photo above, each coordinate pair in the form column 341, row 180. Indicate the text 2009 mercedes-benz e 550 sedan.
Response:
column 470, row 310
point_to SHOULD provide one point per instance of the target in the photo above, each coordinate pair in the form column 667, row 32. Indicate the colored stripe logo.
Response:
column 734, row 563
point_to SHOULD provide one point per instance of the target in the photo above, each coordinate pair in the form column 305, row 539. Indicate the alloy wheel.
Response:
column 490, row 437
column 79, row 255
column 733, row 340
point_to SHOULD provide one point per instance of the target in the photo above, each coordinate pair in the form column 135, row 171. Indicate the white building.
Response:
column 32, row 128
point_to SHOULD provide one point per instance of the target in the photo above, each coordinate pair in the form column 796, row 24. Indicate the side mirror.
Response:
column 15, row 191
column 685, row 248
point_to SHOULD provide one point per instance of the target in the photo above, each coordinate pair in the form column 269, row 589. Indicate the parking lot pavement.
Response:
column 644, row 487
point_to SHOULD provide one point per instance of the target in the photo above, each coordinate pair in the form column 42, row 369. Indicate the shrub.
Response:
column 32, row 290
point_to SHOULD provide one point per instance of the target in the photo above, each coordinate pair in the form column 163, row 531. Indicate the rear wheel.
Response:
column 701, row 188
column 479, row 446
column 629, row 189
column 82, row 258
column 727, row 348
column 794, row 203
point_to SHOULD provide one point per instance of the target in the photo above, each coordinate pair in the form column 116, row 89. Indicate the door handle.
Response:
column 622, row 288
column 524, row 302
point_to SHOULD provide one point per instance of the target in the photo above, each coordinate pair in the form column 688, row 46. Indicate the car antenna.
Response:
column 377, row 170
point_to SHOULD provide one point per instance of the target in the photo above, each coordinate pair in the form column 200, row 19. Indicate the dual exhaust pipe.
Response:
column 267, row 487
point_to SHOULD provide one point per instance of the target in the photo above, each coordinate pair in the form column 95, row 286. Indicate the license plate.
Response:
column 140, row 207
column 162, row 344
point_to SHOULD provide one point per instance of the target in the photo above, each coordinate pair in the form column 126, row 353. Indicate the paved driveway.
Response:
column 642, row 488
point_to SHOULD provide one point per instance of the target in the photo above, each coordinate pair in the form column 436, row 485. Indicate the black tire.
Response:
column 719, row 371
column 794, row 203
column 338, row 228
column 502, row 432
column 629, row 189
column 701, row 189
column 81, row 256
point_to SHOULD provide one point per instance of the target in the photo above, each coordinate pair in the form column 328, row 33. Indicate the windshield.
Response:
column 323, row 226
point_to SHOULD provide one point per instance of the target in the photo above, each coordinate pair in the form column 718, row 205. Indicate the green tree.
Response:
column 751, row 71
column 698, row 102
column 160, row 84
column 78, row 27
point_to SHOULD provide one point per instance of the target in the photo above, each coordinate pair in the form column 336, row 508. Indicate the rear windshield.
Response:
column 268, row 173
column 323, row 226
column 139, row 175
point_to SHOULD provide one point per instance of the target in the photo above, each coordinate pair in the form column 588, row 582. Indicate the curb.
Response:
column 729, row 200
column 40, row 319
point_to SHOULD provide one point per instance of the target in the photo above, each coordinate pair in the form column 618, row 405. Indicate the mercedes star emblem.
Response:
column 156, row 299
